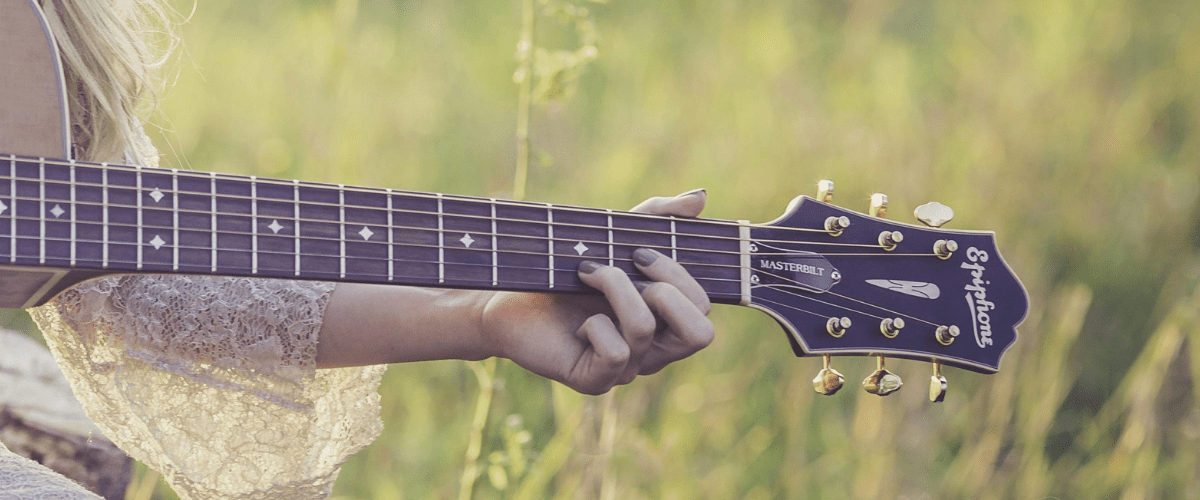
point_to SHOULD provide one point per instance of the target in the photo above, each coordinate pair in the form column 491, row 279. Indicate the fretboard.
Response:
column 119, row 219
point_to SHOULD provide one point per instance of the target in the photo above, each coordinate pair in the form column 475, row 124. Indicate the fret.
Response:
column 550, row 240
column 213, row 190
column 253, row 225
column 276, row 210
column 523, row 232
column 391, row 250
column 12, row 248
column 342, row 227
column 441, row 243
column 611, row 260
column 139, row 218
column 234, row 225
column 674, row 247
column 89, row 228
column 74, row 220
column 296, row 228
column 175, row 219
column 495, row 255
column 42, row 212
column 104, row 238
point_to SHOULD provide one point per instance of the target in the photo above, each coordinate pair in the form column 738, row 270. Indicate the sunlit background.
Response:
column 1067, row 127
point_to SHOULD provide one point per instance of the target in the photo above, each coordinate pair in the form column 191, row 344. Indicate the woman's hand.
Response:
column 593, row 343
column 588, row 343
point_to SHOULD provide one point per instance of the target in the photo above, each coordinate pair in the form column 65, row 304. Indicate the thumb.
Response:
column 688, row 204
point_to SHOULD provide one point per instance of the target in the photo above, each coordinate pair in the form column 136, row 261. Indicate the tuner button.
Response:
column 937, row 384
column 828, row 380
column 889, row 239
column 946, row 334
column 878, row 205
column 890, row 327
column 837, row 326
column 934, row 214
column 882, row 382
column 944, row 248
column 825, row 190
column 835, row 225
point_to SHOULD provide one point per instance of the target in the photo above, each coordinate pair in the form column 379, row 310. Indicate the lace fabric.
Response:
column 212, row 381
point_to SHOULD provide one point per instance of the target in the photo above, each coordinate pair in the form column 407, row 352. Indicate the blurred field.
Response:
column 1068, row 127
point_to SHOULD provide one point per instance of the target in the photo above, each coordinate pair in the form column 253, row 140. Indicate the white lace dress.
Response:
column 212, row 382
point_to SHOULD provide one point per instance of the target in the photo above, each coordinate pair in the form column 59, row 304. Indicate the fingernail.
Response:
column 588, row 267
column 644, row 256
column 694, row 191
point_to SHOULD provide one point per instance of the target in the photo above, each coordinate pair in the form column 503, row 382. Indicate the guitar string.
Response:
column 482, row 232
column 481, row 249
column 377, row 191
column 291, row 255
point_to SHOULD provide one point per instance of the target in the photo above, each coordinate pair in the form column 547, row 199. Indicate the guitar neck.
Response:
column 116, row 219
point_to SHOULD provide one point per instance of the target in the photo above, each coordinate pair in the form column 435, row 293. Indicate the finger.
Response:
column 688, row 330
column 658, row 267
column 604, row 361
column 688, row 204
column 637, row 323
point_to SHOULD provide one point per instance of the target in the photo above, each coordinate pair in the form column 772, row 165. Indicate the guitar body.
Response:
column 33, row 122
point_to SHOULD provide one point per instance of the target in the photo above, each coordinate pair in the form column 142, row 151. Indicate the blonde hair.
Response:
column 112, row 53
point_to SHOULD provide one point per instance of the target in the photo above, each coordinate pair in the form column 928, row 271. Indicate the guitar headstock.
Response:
column 847, row 283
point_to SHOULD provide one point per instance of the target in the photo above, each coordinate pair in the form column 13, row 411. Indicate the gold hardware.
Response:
column 944, row 248
column 937, row 384
column 837, row 326
column 835, row 225
column 825, row 190
column 878, row 205
column 828, row 380
column 934, row 214
column 890, row 327
column 882, row 382
column 889, row 239
column 946, row 334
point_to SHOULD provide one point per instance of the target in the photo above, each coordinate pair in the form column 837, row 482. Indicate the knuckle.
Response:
column 658, row 291
column 642, row 325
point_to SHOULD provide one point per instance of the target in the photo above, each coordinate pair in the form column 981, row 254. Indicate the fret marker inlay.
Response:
column 275, row 226
column 157, row 242
column 581, row 248
column 157, row 195
column 57, row 211
column 3, row 207
column 366, row 233
column 467, row 240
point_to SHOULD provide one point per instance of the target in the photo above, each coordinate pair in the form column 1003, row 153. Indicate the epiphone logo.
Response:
column 791, row 266
column 976, row 296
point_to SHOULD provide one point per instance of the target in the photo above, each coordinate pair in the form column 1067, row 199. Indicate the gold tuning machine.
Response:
column 878, row 205
column 882, row 382
column 825, row 190
column 937, row 384
column 828, row 380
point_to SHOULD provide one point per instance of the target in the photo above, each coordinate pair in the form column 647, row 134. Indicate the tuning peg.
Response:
column 937, row 384
column 828, row 380
column 825, row 190
column 878, row 205
column 934, row 214
column 882, row 382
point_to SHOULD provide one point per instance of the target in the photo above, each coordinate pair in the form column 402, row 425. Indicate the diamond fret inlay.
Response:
column 366, row 233
column 57, row 211
column 157, row 242
column 157, row 195
column 3, row 207
column 467, row 240
column 580, row 247
column 275, row 226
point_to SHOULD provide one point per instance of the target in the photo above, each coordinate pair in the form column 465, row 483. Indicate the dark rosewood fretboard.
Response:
column 120, row 219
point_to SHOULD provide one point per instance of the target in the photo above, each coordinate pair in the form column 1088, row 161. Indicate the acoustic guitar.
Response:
column 839, row 282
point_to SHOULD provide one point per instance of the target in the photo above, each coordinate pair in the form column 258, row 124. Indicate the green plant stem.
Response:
column 485, row 373
column 524, row 98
